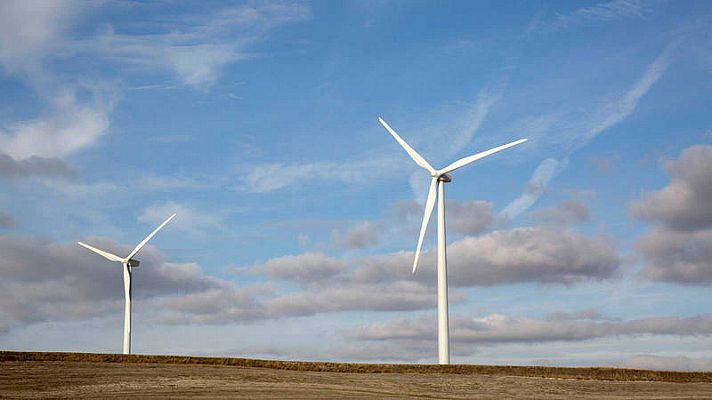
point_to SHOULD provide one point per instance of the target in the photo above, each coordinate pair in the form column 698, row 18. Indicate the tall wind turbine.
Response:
column 439, row 178
column 129, row 264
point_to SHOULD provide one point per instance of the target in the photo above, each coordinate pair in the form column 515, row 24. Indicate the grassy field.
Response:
column 83, row 375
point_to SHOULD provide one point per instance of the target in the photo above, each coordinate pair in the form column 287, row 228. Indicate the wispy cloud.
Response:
column 455, row 124
column 579, row 130
column 73, row 189
column 198, row 48
column 535, row 187
column 141, row 185
column 159, row 182
column 187, row 219
column 605, row 11
column 274, row 176
column 601, row 12
column 473, row 119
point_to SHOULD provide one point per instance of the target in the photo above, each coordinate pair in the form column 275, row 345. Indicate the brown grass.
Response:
column 579, row 373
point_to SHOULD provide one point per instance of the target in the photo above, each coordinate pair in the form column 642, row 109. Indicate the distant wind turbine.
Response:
column 129, row 264
column 439, row 178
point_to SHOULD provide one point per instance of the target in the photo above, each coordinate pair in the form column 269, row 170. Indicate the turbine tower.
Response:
column 439, row 178
column 129, row 264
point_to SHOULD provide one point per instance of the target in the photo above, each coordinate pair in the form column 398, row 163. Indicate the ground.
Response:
column 66, row 375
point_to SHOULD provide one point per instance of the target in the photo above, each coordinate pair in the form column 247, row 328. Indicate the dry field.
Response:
column 78, row 375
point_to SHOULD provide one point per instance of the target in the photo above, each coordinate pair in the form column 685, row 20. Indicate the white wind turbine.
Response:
column 439, row 178
column 129, row 264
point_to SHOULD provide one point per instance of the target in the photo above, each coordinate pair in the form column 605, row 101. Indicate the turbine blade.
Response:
column 429, row 205
column 140, row 245
column 412, row 153
column 464, row 161
column 105, row 254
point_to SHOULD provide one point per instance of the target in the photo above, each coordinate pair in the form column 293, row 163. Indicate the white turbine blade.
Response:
column 464, row 161
column 105, row 254
column 140, row 245
column 412, row 153
column 429, row 205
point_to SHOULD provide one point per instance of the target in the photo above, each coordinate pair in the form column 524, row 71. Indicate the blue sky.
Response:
column 298, row 214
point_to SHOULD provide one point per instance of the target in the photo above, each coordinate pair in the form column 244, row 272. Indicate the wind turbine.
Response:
column 129, row 264
column 439, row 178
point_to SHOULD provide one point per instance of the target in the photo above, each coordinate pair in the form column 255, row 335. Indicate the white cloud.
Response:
column 34, row 166
column 684, row 204
column 29, row 30
column 395, row 296
column 498, row 328
column 363, row 234
column 675, row 256
column 468, row 217
column 564, row 213
column 504, row 257
column 303, row 268
column 322, row 284
column 679, row 247
column 500, row 257
column 223, row 303
column 70, row 128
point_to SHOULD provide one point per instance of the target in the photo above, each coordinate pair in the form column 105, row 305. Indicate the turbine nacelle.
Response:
column 133, row 263
column 443, row 177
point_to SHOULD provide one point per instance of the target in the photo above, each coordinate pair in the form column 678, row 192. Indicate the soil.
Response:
column 83, row 375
